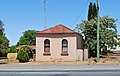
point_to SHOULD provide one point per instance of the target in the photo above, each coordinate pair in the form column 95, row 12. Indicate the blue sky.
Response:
column 21, row 15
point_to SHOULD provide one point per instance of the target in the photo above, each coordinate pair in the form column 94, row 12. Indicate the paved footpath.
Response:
column 59, row 67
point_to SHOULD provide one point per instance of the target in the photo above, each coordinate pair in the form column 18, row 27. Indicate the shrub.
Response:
column 24, row 54
column 30, row 52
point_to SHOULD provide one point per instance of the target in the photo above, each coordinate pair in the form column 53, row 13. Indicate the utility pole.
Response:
column 98, row 25
column 45, row 13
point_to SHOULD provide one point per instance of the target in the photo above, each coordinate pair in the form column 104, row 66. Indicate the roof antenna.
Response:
column 45, row 13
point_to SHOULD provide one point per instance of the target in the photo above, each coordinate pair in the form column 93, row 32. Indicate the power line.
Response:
column 80, row 13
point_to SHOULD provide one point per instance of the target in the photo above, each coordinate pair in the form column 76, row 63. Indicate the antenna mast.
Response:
column 45, row 13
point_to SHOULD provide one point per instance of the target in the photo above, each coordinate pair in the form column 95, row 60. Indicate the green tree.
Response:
column 118, row 40
column 92, row 11
column 28, row 38
column 108, row 34
column 4, row 42
column 12, row 49
column 1, row 28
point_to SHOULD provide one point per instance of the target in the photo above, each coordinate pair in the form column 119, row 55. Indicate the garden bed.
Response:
column 3, row 60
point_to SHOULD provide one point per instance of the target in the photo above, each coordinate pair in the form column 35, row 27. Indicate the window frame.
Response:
column 46, row 47
column 64, row 48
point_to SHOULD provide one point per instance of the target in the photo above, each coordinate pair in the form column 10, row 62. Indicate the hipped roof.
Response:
column 58, row 29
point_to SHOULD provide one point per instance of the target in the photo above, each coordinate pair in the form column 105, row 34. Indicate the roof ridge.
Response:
column 60, row 28
column 66, row 27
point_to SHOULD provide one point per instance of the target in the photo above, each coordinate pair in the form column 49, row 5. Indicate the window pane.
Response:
column 47, row 49
column 65, row 49
column 46, row 45
column 65, row 46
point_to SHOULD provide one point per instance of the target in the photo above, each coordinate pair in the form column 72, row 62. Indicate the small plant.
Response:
column 24, row 54
column 3, row 61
